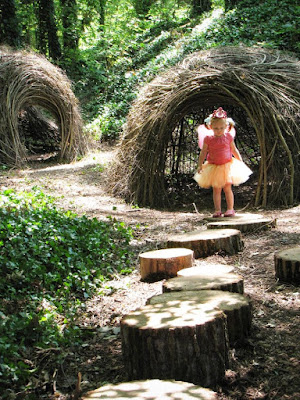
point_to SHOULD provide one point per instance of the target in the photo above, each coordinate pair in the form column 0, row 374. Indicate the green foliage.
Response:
column 52, row 261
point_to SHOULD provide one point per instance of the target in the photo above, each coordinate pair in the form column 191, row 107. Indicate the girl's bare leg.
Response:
column 229, row 196
column 217, row 198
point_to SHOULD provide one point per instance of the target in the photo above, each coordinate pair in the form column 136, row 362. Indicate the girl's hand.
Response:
column 199, row 170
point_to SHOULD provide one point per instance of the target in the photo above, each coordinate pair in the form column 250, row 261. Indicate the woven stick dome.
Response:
column 28, row 80
column 263, row 84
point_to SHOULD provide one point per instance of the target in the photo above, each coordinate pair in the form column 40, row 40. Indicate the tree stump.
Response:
column 287, row 265
column 226, row 282
column 245, row 223
column 206, row 269
column 182, row 340
column 237, row 308
column 207, row 242
column 165, row 262
column 151, row 389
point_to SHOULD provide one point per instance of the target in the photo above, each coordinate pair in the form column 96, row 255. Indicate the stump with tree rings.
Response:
column 185, row 341
column 207, row 242
column 245, row 223
column 238, row 309
column 151, row 389
column 287, row 265
column 226, row 282
column 165, row 262
column 206, row 269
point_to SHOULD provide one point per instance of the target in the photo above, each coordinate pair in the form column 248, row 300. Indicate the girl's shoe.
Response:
column 217, row 214
column 229, row 213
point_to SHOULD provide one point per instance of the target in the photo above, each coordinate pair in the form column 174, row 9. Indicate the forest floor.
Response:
column 266, row 367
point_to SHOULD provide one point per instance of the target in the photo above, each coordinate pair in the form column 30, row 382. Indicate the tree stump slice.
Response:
column 226, row 282
column 183, row 340
column 236, row 307
column 165, row 262
column 151, row 389
column 287, row 265
column 206, row 269
column 245, row 223
column 207, row 242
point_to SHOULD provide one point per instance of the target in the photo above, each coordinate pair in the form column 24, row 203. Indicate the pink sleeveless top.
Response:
column 219, row 151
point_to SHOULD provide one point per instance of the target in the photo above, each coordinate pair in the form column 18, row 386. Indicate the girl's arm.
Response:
column 235, row 151
column 202, row 157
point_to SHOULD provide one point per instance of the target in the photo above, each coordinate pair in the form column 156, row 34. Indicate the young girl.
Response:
column 221, row 170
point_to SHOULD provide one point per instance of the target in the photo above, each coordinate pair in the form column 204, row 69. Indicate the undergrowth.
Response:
column 51, row 262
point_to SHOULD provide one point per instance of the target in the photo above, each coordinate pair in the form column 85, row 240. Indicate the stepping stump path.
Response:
column 245, row 223
column 165, row 262
column 206, row 269
column 287, row 265
column 208, row 242
column 151, row 389
column 226, row 282
column 184, row 340
column 236, row 307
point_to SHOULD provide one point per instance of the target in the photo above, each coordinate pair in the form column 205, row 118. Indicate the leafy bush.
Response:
column 52, row 260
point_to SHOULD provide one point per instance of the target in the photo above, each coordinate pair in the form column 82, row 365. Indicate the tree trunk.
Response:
column 9, row 25
column 208, row 242
column 200, row 6
column 70, row 25
column 226, row 282
column 164, row 263
column 287, row 265
column 236, row 307
column 185, row 341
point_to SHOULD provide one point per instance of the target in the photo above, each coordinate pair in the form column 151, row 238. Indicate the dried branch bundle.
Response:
column 262, row 83
column 29, row 80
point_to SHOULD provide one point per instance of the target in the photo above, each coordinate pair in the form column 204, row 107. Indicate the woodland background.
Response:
column 109, row 50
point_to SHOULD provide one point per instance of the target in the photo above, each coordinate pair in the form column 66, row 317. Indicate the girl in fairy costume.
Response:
column 220, row 170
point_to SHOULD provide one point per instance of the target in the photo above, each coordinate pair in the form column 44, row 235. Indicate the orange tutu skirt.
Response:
column 213, row 175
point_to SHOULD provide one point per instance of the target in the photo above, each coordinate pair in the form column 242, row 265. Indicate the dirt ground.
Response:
column 266, row 367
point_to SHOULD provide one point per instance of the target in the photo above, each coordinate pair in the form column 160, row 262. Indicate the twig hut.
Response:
column 259, row 89
column 30, row 85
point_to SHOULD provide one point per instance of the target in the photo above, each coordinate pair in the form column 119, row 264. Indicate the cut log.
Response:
column 184, row 340
column 246, row 223
column 206, row 269
column 237, row 308
column 287, row 265
column 165, row 263
column 151, row 389
column 226, row 282
column 207, row 242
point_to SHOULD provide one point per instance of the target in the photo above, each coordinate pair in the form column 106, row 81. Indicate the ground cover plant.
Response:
column 51, row 262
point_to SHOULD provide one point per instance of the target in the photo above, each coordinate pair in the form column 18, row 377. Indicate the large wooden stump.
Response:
column 245, row 223
column 206, row 269
column 207, row 242
column 182, row 340
column 165, row 263
column 151, row 389
column 226, row 282
column 237, row 308
column 287, row 265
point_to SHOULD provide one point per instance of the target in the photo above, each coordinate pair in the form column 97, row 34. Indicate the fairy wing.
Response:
column 203, row 131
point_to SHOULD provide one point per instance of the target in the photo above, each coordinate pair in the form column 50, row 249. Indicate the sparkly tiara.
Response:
column 219, row 113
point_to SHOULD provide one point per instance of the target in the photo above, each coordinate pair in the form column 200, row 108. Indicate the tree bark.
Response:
column 164, row 263
column 287, row 265
column 9, row 25
column 208, row 242
column 185, row 341
column 236, row 307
